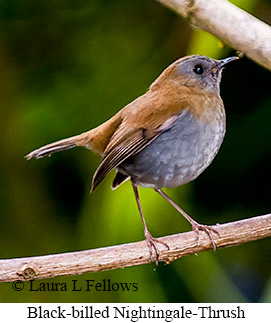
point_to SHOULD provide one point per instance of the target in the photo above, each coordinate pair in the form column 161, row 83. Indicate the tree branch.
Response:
column 137, row 253
column 233, row 26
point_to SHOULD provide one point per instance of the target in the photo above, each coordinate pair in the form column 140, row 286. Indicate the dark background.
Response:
column 66, row 67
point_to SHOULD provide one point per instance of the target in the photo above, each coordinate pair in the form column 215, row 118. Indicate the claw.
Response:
column 152, row 245
column 206, row 228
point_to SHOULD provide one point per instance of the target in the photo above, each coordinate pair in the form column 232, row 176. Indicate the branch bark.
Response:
column 137, row 253
column 233, row 26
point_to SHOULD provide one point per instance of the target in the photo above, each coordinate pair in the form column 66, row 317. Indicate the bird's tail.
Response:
column 95, row 139
column 64, row 144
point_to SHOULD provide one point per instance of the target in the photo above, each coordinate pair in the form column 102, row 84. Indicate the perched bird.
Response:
column 164, row 138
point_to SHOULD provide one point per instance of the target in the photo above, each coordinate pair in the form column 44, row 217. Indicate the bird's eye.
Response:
column 198, row 69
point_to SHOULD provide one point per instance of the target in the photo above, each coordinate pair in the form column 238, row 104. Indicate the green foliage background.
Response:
column 67, row 66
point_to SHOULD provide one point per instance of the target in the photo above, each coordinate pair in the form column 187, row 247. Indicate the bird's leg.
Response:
column 151, row 241
column 195, row 225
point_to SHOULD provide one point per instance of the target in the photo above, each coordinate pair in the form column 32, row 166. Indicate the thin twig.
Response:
column 137, row 253
column 233, row 26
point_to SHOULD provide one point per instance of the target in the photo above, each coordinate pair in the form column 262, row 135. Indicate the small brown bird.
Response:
column 164, row 138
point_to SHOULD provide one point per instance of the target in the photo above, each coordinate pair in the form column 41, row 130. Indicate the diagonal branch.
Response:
column 137, row 253
column 232, row 25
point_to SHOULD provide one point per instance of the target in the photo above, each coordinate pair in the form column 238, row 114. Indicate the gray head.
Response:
column 202, row 70
column 195, row 71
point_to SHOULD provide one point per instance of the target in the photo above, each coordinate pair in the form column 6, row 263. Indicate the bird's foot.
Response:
column 206, row 228
column 152, row 245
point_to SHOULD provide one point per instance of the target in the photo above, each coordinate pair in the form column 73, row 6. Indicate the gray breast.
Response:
column 178, row 155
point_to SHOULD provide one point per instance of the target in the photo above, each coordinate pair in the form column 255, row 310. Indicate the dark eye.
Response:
column 198, row 69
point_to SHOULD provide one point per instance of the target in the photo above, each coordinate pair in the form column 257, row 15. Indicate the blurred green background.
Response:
column 67, row 66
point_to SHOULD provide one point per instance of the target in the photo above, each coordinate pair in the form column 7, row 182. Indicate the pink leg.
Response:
column 195, row 225
column 151, row 241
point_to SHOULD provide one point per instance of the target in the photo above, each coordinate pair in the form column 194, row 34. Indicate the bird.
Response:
column 163, row 139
